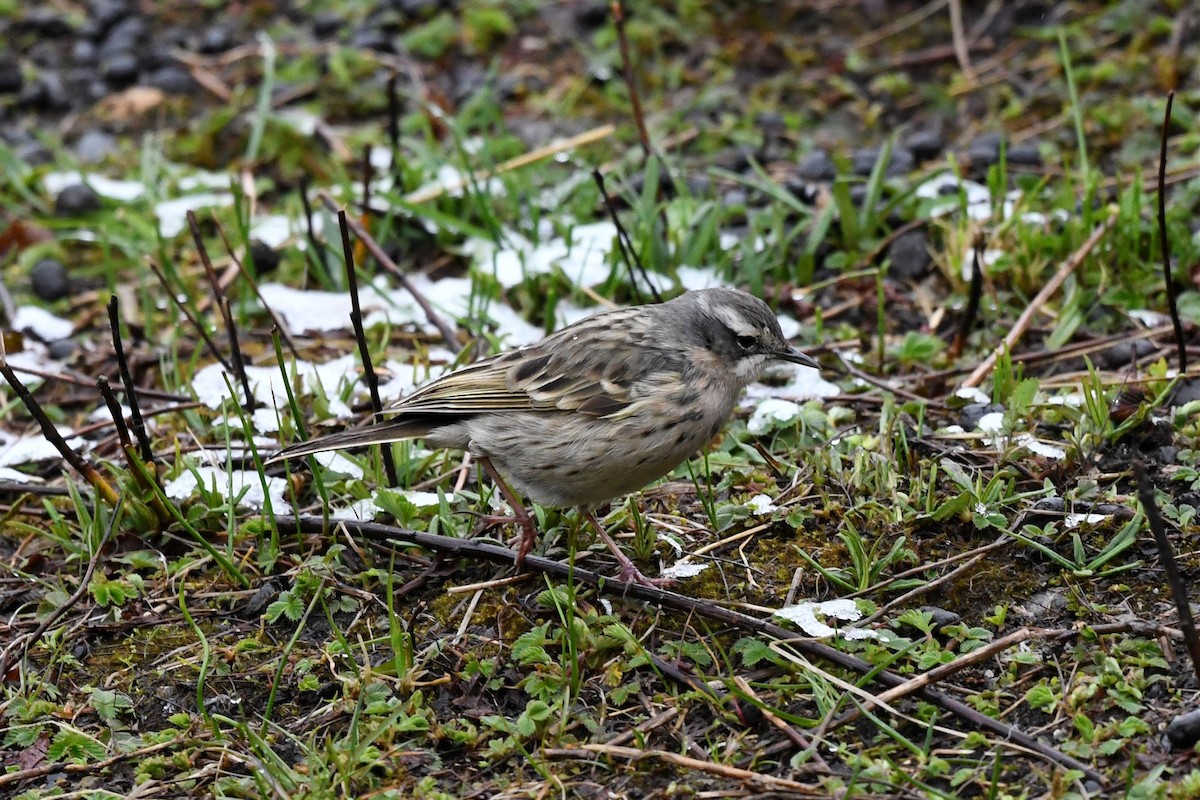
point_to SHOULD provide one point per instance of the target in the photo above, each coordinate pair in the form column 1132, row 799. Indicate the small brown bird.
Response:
column 598, row 409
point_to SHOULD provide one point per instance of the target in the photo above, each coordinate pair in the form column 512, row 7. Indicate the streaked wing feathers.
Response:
column 585, row 367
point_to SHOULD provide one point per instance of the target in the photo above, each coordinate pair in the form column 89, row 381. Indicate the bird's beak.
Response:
column 796, row 357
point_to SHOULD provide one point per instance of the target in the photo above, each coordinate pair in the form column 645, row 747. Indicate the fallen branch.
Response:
column 755, row 780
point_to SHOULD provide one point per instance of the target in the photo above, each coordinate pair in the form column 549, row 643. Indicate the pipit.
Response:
column 595, row 411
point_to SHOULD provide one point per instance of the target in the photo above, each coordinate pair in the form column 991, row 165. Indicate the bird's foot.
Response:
column 631, row 574
column 523, row 520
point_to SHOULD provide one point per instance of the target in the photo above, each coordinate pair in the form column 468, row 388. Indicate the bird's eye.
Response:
column 746, row 342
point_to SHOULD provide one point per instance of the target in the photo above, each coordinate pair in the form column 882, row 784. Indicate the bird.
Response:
column 596, row 410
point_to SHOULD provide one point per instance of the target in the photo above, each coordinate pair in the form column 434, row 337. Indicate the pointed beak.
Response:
column 796, row 357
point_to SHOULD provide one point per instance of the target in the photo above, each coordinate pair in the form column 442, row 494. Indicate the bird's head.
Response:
column 738, row 331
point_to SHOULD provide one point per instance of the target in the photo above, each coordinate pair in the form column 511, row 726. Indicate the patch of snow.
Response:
column 582, row 255
column 1151, row 319
column 804, row 615
column 761, row 504
column 805, row 383
column 16, row 476
column 363, row 510
column 203, row 179
column 992, row 422
column 684, row 569
column 1075, row 520
column 41, row 323
column 692, row 278
column 172, row 214
column 230, row 485
column 266, row 383
column 1039, row 448
column 272, row 229
column 973, row 394
column 124, row 191
column 772, row 412
column 29, row 449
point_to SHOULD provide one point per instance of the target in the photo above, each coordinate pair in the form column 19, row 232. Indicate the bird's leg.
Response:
column 629, row 571
column 520, row 515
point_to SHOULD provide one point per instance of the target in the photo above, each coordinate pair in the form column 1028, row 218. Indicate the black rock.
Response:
column 1122, row 354
column 1025, row 155
column 817, row 166
column 735, row 159
column 120, row 70
column 942, row 617
column 46, row 22
column 94, row 146
column 75, row 200
column 62, row 349
column 106, row 13
column 804, row 191
column 1047, row 505
column 172, row 80
column 469, row 79
column 984, row 150
column 591, row 14
column 49, row 280
column 33, row 154
column 1184, row 730
column 369, row 37
column 770, row 123
column 734, row 198
column 46, row 92
column 125, row 38
column 83, row 53
column 1186, row 391
column 216, row 39
column 1045, row 604
column 909, row 256
column 1167, row 454
column 698, row 184
column 416, row 9
column 11, row 79
column 969, row 415
column 900, row 161
column 265, row 257
column 862, row 161
column 925, row 145
column 326, row 24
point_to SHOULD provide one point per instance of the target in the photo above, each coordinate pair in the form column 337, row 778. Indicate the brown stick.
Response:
column 77, row 462
column 974, row 294
column 1179, row 591
column 755, row 780
column 1035, row 305
column 632, row 260
column 618, row 15
column 235, row 350
column 364, row 352
column 135, row 411
column 200, row 329
column 1166, row 240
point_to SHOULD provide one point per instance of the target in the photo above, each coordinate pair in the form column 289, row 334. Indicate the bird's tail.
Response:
column 379, row 433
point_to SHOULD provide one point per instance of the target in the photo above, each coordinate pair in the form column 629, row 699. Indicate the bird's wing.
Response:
column 595, row 367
